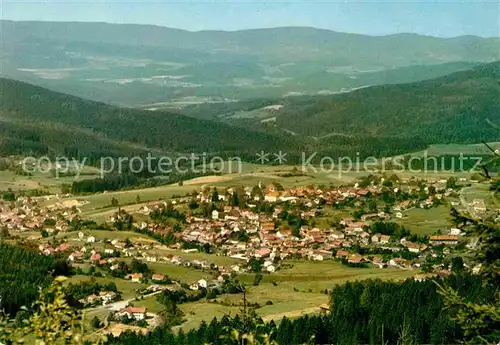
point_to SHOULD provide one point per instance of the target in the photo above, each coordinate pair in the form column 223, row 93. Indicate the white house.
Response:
column 136, row 313
column 271, row 269
column 202, row 283
column 215, row 214
column 90, row 239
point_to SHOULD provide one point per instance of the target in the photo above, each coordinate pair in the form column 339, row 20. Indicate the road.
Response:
column 467, row 205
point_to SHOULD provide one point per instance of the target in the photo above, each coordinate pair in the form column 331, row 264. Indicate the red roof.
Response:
column 134, row 310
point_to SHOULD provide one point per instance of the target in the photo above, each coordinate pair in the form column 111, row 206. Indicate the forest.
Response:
column 22, row 272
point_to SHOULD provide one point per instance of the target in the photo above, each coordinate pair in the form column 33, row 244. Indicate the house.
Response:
column 271, row 196
column 267, row 226
column 262, row 253
column 91, row 299
column 396, row 262
column 324, row 254
column 284, row 233
column 479, row 205
column 363, row 192
column 271, row 268
column 377, row 261
column 337, row 235
column 76, row 256
column 342, row 254
column 385, row 239
column 133, row 313
column 356, row 260
column 107, row 296
column 455, row 231
column 158, row 277
column 415, row 247
column 135, row 277
column 325, row 308
column 215, row 214
column 91, row 239
column 443, row 239
column 202, row 283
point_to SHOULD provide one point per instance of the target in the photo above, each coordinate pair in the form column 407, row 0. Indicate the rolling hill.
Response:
column 139, row 65
column 34, row 119
column 457, row 108
column 381, row 120
column 454, row 108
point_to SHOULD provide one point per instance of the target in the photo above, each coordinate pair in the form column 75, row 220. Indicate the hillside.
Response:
column 139, row 65
column 450, row 109
column 39, row 120
column 454, row 108
column 380, row 120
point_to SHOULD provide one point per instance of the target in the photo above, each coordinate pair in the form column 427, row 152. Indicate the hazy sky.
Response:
column 438, row 18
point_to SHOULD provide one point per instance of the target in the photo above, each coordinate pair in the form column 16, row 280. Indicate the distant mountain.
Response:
column 40, row 121
column 143, row 65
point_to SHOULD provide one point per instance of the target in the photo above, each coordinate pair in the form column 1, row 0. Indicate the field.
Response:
column 126, row 287
column 454, row 149
column 426, row 222
column 292, row 291
column 481, row 191
column 44, row 181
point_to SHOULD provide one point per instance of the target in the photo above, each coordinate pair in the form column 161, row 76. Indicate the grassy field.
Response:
column 184, row 274
column 289, row 292
column 426, row 222
column 211, row 258
column 126, row 287
column 38, row 180
column 454, row 149
column 481, row 191
column 296, row 290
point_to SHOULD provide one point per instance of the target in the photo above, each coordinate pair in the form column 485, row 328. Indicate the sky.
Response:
column 441, row 18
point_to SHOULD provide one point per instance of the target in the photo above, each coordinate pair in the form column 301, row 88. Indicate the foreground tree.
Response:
column 53, row 322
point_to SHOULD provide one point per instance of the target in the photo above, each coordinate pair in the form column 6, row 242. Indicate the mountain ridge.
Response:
column 272, row 28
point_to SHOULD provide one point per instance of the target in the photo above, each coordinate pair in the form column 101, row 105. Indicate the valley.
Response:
column 285, row 185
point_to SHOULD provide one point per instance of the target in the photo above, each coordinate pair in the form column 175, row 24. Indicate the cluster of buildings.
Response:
column 244, row 234
column 104, row 297
column 26, row 214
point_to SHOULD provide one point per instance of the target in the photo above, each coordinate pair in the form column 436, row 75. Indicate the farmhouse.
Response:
column 133, row 313
column 443, row 239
